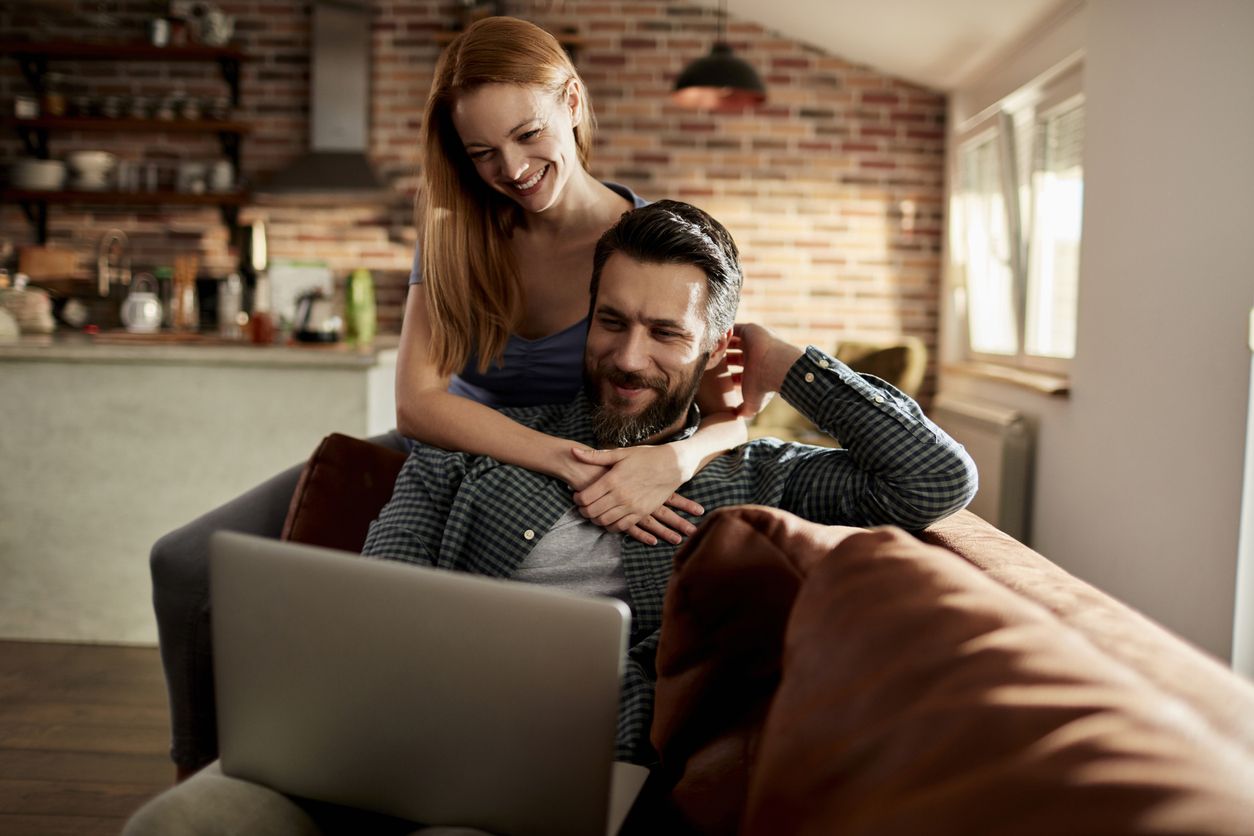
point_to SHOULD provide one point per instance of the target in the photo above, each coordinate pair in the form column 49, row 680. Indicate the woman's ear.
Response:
column 719, row 350
column 574, row 102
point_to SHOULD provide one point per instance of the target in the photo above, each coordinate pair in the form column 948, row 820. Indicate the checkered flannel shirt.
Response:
column 473, row 514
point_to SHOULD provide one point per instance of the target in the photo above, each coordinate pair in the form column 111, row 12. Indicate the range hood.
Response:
column 336, row 164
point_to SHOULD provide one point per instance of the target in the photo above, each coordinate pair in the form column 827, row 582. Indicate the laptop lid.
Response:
column 436, row 696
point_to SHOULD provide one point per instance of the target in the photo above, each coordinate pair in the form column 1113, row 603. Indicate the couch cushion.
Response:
column 915, row 695
column 341, row 490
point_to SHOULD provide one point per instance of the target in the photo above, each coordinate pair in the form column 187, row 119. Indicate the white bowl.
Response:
column 91, row 162
column 43, row 175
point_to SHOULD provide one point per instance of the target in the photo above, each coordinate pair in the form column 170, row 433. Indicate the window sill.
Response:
column 1042, row 382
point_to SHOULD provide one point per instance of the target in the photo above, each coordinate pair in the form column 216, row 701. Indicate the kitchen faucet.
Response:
column 113, row 254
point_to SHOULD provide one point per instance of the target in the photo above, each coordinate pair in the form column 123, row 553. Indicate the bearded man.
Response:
column 665, row 288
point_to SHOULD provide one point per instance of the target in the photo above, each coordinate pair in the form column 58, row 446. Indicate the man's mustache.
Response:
column 632, row 380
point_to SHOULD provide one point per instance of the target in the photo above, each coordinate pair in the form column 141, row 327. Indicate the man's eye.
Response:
column 611, row 324
column 663, row 334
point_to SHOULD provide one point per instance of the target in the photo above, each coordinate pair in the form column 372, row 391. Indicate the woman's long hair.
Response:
column 468, row 272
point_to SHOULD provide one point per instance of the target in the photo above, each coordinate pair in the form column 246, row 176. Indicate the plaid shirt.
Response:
column 473, row 514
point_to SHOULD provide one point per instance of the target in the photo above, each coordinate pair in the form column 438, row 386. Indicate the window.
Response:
column 1015, row 220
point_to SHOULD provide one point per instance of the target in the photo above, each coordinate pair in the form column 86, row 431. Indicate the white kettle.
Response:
column 141, row 310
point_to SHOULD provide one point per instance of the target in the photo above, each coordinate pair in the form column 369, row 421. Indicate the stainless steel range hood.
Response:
column 336, row 164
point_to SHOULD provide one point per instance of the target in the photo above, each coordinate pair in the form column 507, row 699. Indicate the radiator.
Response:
column 1001, row 441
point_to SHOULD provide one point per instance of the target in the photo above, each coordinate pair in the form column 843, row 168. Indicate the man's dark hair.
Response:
column 670, row 232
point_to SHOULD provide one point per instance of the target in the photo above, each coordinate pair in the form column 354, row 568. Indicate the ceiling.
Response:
column 934, row 43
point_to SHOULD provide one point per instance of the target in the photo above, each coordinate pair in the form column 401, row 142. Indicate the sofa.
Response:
column 819, row 679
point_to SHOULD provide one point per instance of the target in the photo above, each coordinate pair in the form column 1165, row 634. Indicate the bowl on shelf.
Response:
column 38, row 175
column 91, row 169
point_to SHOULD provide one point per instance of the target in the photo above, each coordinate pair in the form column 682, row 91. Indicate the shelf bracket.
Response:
column 230, row 73
column 231, row 148
column 37, row 213
column 35, row 140
column 230, row 216
column 34, row 67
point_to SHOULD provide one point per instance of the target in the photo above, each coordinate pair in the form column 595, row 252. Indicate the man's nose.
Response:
column 632, row 354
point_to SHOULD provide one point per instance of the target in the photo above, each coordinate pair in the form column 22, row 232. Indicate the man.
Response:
column 665, row 287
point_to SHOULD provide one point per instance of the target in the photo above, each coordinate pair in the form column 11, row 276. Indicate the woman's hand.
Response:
column 636, row 492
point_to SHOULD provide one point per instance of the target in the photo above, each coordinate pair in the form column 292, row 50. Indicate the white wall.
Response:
column 1139, row 473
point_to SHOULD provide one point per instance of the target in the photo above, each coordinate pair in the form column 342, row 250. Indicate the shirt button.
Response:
column 823, row 364
column 809, row 377
column 529, row 535
column 879, row 399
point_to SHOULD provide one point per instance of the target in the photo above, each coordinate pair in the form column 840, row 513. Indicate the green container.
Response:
column 360, row 310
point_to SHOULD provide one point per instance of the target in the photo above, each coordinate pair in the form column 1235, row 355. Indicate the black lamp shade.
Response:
column 719, row 81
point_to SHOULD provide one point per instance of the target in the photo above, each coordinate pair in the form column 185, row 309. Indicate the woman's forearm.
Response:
column 455, row 423
column 717, row 434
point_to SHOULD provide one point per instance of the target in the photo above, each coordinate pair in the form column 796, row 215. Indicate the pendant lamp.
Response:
column 720, row 81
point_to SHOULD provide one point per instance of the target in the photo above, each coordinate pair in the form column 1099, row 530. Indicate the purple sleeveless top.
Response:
column 533, row 372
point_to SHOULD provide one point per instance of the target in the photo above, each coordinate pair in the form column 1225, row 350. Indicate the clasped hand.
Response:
column 632, row 490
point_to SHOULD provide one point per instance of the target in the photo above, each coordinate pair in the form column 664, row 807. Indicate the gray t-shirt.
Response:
column 580, row 556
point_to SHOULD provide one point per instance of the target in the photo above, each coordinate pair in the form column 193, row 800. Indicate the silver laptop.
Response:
column 435, row 696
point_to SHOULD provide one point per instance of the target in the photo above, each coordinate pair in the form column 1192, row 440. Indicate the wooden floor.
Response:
column 84, row 736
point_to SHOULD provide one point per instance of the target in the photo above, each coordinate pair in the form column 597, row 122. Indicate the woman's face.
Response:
column 521, row 140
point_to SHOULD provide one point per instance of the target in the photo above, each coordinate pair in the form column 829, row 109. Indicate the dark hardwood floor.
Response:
column 84, row 736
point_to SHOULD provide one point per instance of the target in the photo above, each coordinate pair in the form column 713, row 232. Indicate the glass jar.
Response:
column 54, row 99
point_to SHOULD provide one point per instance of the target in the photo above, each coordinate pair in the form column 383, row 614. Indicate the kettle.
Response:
column 316, row 320
column 141, row 310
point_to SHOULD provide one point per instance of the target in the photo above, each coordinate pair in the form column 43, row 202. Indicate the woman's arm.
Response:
column 425, row 410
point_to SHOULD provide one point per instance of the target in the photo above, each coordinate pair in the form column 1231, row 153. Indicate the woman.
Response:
column 509, row 223
column 511, row 218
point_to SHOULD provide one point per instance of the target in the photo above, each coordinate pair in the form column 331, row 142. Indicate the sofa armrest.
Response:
column 344, row 485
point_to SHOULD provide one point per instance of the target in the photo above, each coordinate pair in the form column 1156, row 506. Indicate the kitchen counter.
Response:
column 193, row 349
column 110, row 442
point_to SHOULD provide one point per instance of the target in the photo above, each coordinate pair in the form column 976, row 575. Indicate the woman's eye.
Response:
column 532, row 134
column 478, row 156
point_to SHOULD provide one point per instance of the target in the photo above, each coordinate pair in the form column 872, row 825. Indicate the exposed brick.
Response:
column 810, row 183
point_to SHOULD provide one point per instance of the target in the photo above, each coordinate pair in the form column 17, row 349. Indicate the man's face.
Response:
column 645, row 351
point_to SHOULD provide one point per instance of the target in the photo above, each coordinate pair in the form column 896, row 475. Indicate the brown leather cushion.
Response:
column 915, row 696
column 341, row 490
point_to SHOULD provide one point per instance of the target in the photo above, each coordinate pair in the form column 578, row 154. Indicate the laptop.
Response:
column 436, row 696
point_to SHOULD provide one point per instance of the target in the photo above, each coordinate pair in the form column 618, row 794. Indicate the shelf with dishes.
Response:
column 99, row 176
column 35, row 202
column 33, row 57
column 35, row 132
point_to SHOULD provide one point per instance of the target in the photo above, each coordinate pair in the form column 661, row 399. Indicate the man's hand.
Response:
column 766, row 360
column 633, row 492
column 720, row 386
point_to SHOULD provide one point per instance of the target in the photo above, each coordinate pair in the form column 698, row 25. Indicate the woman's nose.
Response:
column 514, row 164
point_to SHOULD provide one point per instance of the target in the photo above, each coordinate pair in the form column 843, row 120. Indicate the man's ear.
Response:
column 719, row 350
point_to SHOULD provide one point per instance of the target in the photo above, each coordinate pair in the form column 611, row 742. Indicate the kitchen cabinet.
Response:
column 33, row 58
column 109, row 444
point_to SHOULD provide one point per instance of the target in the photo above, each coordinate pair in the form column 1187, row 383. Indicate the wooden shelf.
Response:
column 101, row 123
column 163, row 198
column 129, row 51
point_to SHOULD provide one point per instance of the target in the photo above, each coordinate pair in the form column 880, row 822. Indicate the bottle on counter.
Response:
column 360, row 309
column 230, row 304
column 261, row 322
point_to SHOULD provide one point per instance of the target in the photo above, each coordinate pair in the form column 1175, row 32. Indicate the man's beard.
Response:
column 618, row 429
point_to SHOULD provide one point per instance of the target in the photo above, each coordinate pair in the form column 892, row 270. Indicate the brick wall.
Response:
column 833, row 189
